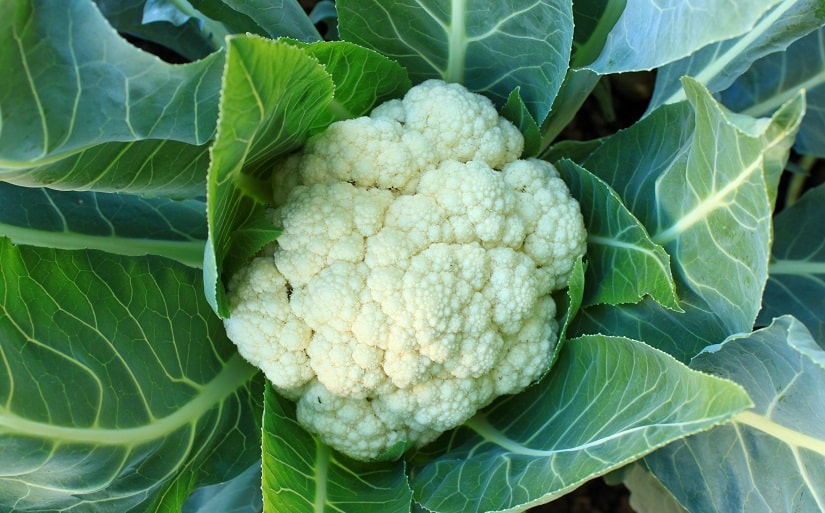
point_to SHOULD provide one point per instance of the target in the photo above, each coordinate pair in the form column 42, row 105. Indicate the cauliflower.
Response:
column 411, row 283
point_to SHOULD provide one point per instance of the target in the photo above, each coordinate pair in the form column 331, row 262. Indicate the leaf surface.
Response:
column 117, row 223
column 682, row 334
column 774, row 79
column 715, row 204
column 284, row 18
column 607, row 401
column 647, row 494
column 719, row 64
column 490, row 47
column 242, row 494
column 92, row 111
column 650, row 33
column 188, row 39
column 772, row 457
column 625, row 265
column 300, row 474
column 701, row 181
column 796, row 281
column 120, row 388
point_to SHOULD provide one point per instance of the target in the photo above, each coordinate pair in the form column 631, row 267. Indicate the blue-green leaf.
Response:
column 651, row 33
column 707, row 205
column 647, row 494
column 83, row 109
column 187, row 40
column 241, row 494
column 284, row 18
column 774, row 79
column 607, row 401
column 772, row 457
column 796, row 281
column 719, row 64
column 625, row 265
column 120, row 389
column 490, row 47
column 117, row 223
column 714, row 205
column 674, row 170
column 681, row 334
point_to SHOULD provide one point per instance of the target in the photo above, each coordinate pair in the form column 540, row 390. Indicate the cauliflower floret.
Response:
column 412, row 281
column 273, row 338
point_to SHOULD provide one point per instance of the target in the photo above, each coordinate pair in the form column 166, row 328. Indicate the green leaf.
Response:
column 285, row 18
column 631, row 160
column 796, row 274
column 300, row 474
column 242, row 494
column 88, row 110
column 490, row 47
column 187, row 40
column 594, row 20
column 676, row 161
column 117, row 223
column 774, row 79
column 607, row 401
column 772, row 457
column 681, row 334
column 120, row 388
column 275, row 95
column 624, row 263
column 649, row 35
column 352, row 67
column 647, row 494
column 517, row 113
column 181, row 12
column 714, row 205
column 574, row 90
column 718, row 65
column 571, row 302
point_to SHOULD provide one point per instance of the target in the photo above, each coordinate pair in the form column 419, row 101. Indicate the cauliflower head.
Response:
column 411, row 283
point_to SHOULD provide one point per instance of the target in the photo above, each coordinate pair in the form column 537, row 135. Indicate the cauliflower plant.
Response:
column 411, row 283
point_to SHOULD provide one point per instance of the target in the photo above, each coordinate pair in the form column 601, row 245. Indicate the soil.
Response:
column 593, row 497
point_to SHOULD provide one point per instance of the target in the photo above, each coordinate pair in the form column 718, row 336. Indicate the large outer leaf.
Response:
column 652, row 33
column 719, row 64
column 701, row 180
column 606, row 402
column 770, row 458
column 796, row 282
column 624, row 263
column 84, row 109
column 714, row 206
column 119, row 388
column 275, row 95
column 117, row 223
column 490, row 47
column 775, row 78
column 302, row 475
